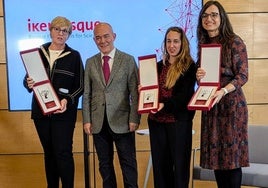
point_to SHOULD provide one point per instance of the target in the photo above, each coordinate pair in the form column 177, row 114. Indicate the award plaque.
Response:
column 210, row 62
column 148, row 97
column 43, row 90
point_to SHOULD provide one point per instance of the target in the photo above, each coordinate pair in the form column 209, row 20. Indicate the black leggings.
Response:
column 228, row 178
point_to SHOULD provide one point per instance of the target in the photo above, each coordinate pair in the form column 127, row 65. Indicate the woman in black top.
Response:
column 171, row 126
column 65, row 70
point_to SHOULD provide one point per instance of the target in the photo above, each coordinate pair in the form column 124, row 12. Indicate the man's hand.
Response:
column 88, row 128
column 133, row 127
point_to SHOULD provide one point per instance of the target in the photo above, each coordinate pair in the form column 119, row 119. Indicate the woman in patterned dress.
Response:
column 224, row 129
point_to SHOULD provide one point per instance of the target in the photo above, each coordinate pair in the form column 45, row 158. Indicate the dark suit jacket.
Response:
column 119, row 96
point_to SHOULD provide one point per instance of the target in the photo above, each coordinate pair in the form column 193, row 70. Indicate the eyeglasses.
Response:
column 58, row 30
column 213, row 15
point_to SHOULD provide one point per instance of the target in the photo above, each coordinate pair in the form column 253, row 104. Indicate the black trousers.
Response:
column 57, row 140
column 126, row 149
column 228, row 178
column 171, row 146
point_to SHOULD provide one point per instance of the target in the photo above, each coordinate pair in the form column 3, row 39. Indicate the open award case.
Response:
column 210, row 62
column 43, row 90
column 148, row 97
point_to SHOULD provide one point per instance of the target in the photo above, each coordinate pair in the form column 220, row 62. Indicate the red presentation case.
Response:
column 43, row 90
column 210, row 62
column 148, row 97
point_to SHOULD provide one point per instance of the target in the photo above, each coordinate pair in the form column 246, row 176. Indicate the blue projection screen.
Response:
column 140, row 27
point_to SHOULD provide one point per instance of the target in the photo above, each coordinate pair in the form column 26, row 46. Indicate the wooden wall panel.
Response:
column 3, row 87
column 260, row 78
column 236, row 5
column 244, row 5
column 17, row 133
column 2, row 42
column 254, row 89
column 258, row 115
column 243, row 26
column 260, row 35
column 260, row 5
column 1, row 8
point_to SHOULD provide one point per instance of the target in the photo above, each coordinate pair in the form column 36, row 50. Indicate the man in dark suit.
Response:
column 110, row 107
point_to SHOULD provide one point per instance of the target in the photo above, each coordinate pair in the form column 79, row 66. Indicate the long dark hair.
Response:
column 226, row 33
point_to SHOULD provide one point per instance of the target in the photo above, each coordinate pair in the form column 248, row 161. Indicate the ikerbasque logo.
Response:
column 81, row 26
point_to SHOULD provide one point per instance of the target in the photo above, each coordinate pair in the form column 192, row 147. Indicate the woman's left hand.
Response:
column 217, row 96
column 160, row 107
column 63, row 107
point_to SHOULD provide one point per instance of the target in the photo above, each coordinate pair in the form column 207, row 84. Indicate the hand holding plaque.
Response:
column 210, row 62
column 148, row 98
column 43, row 90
